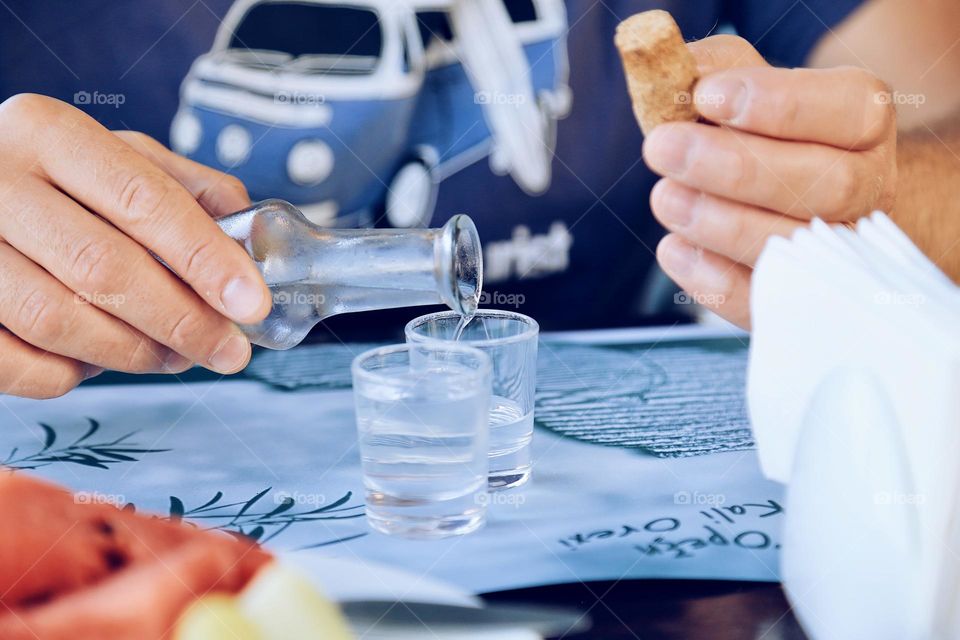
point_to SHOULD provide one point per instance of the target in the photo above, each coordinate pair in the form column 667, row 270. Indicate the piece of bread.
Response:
column 661, row 72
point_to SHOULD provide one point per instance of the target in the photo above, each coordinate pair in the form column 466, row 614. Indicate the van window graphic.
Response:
column 357, row 110
column 329, row 38
column 521, row 10
column 434, row 25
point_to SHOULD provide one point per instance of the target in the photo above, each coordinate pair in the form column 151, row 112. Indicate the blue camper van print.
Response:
column 356, row 110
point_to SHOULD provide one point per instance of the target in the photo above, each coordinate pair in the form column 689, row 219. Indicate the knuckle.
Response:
column 234, row 184
column 26, row 116
column 880, row 113
column 144, row 357
column 139, row 136
column 143, row 195
column 140, row 142
column 28, row 107
column 726, row 44
column 875, row 85
column 846, row 188
column 224, row 193
column 183, row 332
column 133, row 137
column 94, row 263
column 737, row 41
column 201, row 259
column 859, row 77
column 739, row 173
column 788, row 112
column 40, row 318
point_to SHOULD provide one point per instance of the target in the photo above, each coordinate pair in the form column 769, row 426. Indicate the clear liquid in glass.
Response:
column 511, row 432
column 514, row 372
column 424, row 460
column 462, row 326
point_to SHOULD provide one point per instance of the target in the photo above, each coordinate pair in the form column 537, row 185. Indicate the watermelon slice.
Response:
column 70, row 570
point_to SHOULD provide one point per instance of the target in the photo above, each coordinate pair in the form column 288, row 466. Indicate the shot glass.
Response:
column 510, row 339
column 422, row 414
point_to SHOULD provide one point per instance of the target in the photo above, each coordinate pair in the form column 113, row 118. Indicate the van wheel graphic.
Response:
column 411, row 196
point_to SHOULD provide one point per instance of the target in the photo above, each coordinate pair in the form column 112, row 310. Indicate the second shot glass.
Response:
column 510, row 339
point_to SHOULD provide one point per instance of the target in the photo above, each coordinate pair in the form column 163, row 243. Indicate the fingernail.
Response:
column 665, row 150
column 231, row 355
column 241, row 298
column 175, row 363
column 721, row 97
column 678, row 258
column 674, row 204
column 91, row 371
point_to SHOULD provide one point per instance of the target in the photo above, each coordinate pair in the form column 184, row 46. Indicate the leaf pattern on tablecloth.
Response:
column 260, row 521
column 82, row 451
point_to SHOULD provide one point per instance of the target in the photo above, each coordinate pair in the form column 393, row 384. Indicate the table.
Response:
column 672, row 609
column 628, row 608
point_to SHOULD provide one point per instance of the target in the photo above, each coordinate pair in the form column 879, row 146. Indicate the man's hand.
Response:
column 81, row 211
column 791, row 145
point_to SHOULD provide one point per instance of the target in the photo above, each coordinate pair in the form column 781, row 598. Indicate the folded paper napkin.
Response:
column 852, row 391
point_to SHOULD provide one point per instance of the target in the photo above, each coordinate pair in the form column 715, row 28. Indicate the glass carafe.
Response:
column 314, row 273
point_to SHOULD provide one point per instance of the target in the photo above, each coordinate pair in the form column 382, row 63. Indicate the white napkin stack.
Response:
column 854, row 397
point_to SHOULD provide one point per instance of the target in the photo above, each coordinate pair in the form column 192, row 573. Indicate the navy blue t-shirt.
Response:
column 580, row 254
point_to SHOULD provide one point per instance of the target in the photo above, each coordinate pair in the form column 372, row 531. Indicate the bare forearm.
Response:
column 922, row 71
column 928, row 194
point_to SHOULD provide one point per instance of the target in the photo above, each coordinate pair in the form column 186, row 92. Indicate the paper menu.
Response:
column 852, row 394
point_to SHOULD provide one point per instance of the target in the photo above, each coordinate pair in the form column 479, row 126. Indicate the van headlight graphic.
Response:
column 186, row 132
column 309, row 162
column 233, row 145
